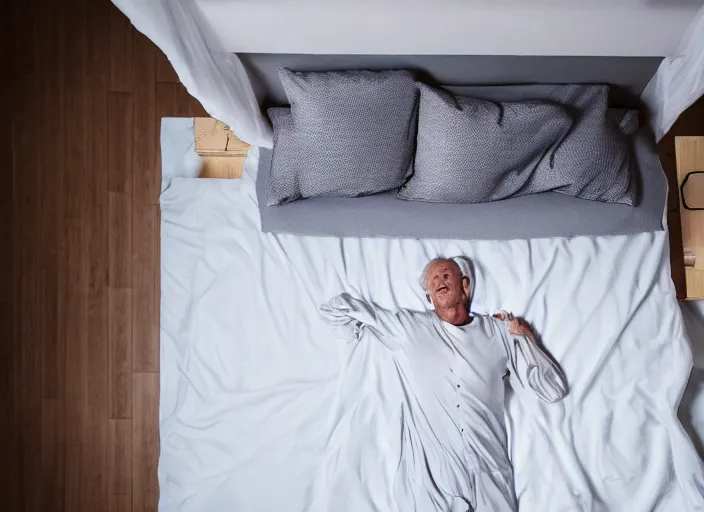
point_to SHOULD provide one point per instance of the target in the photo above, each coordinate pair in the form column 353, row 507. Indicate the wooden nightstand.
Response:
column 689, row 152
column 222, row 153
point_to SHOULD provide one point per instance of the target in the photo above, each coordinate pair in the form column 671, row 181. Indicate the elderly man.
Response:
column 451, row 365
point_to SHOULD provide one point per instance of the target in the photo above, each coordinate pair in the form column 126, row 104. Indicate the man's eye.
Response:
column 446, row 276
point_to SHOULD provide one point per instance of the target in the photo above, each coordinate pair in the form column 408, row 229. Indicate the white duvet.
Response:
column 262, row 409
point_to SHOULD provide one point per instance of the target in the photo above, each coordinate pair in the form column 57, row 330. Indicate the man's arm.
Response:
column 352, row 317
column 528, row 364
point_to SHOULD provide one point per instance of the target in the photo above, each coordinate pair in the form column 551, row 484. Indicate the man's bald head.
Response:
column 430, row 265
column 445, row 285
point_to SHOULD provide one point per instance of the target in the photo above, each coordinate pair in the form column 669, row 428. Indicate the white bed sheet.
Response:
column 691, row 411
column 261, row 409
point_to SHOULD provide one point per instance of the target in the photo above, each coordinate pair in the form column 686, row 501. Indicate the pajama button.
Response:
column 458, row 385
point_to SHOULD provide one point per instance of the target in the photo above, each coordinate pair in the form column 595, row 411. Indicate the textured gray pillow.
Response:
column 531, row 216
column 283, row 181
column 349, row 134
column 591, row 160
column 474, row 151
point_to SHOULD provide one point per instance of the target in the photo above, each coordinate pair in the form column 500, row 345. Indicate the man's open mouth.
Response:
column 441, row 289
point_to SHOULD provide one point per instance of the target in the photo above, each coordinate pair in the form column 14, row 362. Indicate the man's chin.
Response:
column 444, row 303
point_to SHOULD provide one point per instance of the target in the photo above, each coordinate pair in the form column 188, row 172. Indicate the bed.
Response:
column 262, row 409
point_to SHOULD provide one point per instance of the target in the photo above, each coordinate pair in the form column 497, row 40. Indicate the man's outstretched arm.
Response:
column 352, row 317
column 528, row 364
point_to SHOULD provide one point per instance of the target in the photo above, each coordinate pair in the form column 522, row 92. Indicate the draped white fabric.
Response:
column 216, row 78
column 679, row 81
column 219, row 81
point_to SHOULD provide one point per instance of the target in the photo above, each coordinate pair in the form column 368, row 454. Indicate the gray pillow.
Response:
column 594, row 160
column 283, row 180
column 627, row 120
column 473, row 151
column 349, row 134
column 591, row 161
column 532, row 216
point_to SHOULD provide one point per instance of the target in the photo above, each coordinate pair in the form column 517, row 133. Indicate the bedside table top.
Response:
column 212, row 138
column 222, row 153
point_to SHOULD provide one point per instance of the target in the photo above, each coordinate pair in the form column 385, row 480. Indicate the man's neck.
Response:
column 455, row 315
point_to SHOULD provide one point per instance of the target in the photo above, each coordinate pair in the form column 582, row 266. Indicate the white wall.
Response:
column 474, row 27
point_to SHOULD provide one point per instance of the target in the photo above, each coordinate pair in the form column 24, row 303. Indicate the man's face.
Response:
column 445, row 285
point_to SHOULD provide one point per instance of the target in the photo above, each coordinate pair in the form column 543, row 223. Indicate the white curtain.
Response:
column 679, row 81
column 216, row 78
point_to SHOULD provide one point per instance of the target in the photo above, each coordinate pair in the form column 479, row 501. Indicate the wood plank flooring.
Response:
column 79, row 358
column 79, row 242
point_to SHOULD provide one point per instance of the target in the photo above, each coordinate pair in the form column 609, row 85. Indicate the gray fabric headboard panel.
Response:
column 629, row 75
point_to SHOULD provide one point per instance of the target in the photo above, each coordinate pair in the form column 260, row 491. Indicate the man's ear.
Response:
column 465, row 285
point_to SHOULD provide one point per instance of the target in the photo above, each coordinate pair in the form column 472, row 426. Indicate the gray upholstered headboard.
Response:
column 629, row 75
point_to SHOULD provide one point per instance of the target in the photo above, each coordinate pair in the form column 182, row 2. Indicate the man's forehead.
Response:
column 443, row 265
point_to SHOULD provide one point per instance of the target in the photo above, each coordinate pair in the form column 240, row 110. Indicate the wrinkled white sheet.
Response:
column 691, row 411
column 262, row 409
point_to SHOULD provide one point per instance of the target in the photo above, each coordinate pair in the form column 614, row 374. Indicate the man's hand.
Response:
column 516, row 326
column 520, row 327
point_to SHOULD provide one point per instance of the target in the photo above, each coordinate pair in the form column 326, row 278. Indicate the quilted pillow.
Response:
column 284, row 187
column 561, row 140
column 473, row 151
column 354, row 134
column 594, row 160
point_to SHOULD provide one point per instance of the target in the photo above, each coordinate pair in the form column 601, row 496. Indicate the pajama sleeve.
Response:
column 530, row 367
column 350, row 318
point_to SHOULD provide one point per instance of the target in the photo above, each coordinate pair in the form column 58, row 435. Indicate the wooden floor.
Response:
column 79, row 358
